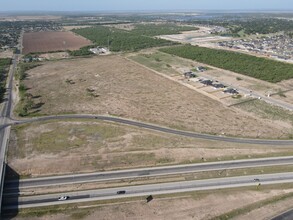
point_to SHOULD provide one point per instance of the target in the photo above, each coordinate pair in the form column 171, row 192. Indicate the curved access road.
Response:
column 285, row 216
column 15, row 186
column 150, row 189
column 159, row 128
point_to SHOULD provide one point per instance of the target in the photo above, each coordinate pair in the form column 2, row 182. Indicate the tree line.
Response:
column 4, row 68
column 257, row 67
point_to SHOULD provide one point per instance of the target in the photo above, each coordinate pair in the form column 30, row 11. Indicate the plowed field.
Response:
column 52, row 41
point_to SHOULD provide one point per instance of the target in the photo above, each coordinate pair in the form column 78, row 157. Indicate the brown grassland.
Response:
column 113, row 85
column 52, row 41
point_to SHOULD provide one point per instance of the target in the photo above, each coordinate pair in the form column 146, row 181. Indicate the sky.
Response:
column 143, row 5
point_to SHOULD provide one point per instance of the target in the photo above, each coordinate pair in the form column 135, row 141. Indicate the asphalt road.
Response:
column 285, row 216
column 14, row 186
column 151, row 189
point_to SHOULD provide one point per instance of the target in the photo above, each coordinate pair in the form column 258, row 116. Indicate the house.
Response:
column 201, row 69
column 219, row 86
column 207, row 82
column 231, row 91
column 189, row 75
column 98, row 50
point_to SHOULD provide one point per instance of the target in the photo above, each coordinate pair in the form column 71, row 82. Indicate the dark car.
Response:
column 63, row 198
column 121, row 192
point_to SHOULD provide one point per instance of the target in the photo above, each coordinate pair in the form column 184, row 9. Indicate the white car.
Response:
column 63, row 198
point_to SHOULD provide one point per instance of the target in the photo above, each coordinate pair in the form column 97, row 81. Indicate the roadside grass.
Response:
column 251, row 207
column 267, row 111
column 60, row 136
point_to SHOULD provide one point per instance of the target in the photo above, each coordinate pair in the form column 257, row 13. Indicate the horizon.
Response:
column 30, row 12
column 151, row 5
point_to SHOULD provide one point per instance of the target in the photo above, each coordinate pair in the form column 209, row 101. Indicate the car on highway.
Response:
column 63, row 198
column 256, row 180
column 121, row 192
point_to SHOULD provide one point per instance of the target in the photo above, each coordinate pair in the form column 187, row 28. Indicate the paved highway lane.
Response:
column 14, row 204
column 11, row 186
column 153, row 189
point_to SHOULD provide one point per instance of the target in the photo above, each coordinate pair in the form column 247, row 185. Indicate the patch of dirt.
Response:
column 126, row 89
column 6, row 54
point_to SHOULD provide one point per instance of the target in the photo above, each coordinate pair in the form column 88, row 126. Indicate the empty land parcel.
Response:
column 39, row 149
column 115, row 86
column 52, row 41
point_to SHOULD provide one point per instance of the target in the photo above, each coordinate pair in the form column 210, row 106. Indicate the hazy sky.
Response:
column 108, row 5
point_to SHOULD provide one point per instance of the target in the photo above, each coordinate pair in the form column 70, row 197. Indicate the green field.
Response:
column 140, row 37
column 257, row 67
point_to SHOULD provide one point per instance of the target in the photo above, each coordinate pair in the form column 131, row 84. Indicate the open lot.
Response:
column 52, row 41
column 72, row 146
column 115, row 86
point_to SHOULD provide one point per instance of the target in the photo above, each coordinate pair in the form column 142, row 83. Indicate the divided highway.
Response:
column 11, row 186
column 150, row 189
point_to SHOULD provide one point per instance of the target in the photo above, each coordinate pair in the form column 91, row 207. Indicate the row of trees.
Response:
column 4, row 68
column 26, row 103
column 260, row 68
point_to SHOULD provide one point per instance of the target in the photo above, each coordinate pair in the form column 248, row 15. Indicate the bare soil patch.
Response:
column 54, row 56
column 6, row 54
column 83, row 146
column 115, row 86
column 52, row 41
column 69, row 28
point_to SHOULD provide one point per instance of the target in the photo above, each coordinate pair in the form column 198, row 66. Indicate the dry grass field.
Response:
column 52, row 41
column 38, row 149
column 115, row 86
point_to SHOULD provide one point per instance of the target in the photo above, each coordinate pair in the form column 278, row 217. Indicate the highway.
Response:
column 150, row 189
column 5, row 117
column 12, row 186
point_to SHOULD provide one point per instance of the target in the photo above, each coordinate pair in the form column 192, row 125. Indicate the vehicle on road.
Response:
column 121, row 192
column 256, row 180
column 63, row 198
